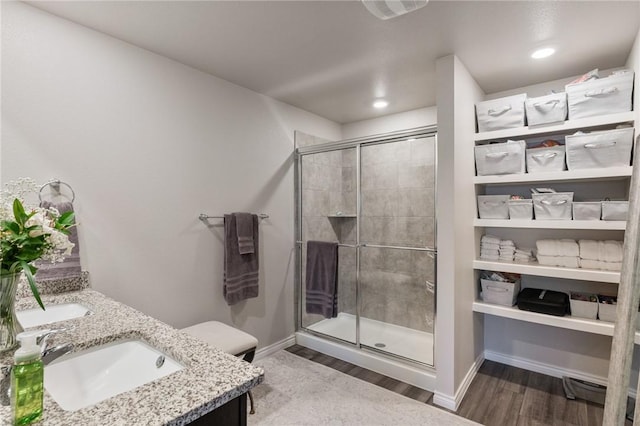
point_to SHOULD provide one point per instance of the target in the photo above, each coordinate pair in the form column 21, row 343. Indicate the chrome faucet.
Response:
column 49, row 354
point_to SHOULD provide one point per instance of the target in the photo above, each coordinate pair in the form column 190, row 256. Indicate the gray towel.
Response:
column 70, row 267
column 240, row 270
column 322, row 278
column 244, row 228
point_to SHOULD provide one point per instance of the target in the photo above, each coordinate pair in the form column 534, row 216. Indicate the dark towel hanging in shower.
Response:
column 322, row 278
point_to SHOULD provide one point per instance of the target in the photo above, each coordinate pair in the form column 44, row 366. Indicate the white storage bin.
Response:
column 610, row 148
column 599, row 97
column 546, row 109
column 499, row 292
column 545, row 159
column 587, row 210
column 503, row 113
column 584, row 305
column 607, row 308
column 556, row 206
column 493, row 206
column 521, row 209
column 500, row 158
column 615, row 210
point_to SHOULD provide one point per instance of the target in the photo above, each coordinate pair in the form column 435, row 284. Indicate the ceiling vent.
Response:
column 387, row 9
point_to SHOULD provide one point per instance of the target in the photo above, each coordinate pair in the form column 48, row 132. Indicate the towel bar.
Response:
column 206, row 216
column 55, row 184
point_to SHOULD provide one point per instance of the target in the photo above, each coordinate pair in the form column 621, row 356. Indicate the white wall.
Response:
column 390, row 123
column 459, row 330
column 148, row 144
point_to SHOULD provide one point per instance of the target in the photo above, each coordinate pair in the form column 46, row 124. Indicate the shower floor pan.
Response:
column 394, row 339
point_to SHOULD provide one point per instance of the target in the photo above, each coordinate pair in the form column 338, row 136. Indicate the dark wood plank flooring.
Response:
column 499, row 395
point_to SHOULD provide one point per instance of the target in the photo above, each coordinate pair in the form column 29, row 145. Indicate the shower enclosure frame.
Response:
column 358, row 143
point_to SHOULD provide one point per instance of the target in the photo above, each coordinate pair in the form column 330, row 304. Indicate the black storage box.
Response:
column 543, row 301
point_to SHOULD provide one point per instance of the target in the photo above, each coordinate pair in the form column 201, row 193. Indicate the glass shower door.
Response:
column 397, row 237
column 327, row 212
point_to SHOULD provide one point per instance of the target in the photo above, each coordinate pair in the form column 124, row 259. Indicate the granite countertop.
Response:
column 210, row 377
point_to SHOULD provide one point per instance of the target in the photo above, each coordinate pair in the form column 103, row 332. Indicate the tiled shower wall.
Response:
column 398, row 208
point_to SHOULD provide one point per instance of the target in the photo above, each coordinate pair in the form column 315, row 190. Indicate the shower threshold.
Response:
column 402, row 341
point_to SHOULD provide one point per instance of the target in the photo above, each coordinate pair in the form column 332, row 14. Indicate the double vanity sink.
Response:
column 128, row 368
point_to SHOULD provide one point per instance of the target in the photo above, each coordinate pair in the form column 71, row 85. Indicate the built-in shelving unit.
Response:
column 617, row 176
column 551, row 224
column 568, row 322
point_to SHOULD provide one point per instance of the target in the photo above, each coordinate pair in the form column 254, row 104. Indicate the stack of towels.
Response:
column 606, row 255
column 493, row 248
column 507, row 250
column 523, row 255
column 558, row 253
column 490, row 247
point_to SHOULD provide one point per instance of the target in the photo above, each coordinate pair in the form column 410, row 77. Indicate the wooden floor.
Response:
column 499, row 395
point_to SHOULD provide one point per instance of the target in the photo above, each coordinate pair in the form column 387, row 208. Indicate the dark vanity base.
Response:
column 232, row 413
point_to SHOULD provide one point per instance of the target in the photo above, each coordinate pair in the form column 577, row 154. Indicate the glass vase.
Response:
column 9, row 325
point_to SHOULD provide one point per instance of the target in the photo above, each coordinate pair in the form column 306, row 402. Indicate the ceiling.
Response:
column 333, row 58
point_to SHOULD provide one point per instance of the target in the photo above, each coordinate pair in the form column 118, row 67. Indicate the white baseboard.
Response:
column 275, row 347
column 453, row 402
column 548, row 369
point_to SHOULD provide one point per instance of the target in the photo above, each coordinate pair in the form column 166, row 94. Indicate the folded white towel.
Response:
column 507, row 250
column 558, row 248
column 507, row 243
column 489, row 257
column 490, row 252
column 597, row 264
column 606, row 251
column 524, row 252
column 490, row 246
column 565, row 261
column 490, row 239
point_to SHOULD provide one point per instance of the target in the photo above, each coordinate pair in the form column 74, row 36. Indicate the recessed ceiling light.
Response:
column 543, row 53
column 380, row 103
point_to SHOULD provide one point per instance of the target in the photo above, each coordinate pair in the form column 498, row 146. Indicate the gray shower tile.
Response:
column 423, row 152
column 348, row 179
column 379, row 176
column 414, row 202
column 335, row 202
column 315, row 176
column 329, row 158
column 302, row 139
column 377, row 230
column 348, row 230
column 315, row 203
column 410, row 176
column 318, row 228
column 349, row 157
column 411, row 231
column 349, row 202
column 379, row 202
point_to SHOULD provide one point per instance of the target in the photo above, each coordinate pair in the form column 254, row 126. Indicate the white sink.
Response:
column 53, row 313
column 93, row 375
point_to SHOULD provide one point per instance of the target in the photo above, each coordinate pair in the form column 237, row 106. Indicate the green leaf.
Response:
column 11, row 226
column 29, row 270
column 66, row 218
column 19, row 213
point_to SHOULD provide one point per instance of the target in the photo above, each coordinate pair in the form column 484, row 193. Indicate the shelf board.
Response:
column 347, row 216
column 552, row 224
column 590, row 123
column 609, row 173
column 568, row 322
column 549, row 271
